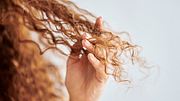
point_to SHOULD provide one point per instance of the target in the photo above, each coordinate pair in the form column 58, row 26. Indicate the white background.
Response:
column 155, row 25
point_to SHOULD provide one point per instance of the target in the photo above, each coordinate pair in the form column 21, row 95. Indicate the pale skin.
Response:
column 85, row 76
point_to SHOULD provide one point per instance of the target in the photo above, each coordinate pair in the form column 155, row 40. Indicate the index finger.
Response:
column 98, row 24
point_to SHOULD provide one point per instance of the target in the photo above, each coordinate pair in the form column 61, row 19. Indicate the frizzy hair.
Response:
column 61, row 22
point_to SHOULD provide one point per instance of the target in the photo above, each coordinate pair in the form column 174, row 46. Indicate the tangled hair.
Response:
column 58, row 24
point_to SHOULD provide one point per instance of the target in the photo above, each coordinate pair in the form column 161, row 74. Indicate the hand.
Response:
column 85, row 76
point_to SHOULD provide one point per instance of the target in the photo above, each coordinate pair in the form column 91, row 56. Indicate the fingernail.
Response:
column 87, row 43
column 86, row 36
column 100, row 17
column 84, row 48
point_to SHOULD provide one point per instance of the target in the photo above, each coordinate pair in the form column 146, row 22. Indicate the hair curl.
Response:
column 55, row 22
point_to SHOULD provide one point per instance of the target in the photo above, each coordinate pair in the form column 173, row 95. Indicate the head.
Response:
column 24, row 73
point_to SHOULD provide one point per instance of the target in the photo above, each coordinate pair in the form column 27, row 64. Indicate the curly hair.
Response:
column 24, row 73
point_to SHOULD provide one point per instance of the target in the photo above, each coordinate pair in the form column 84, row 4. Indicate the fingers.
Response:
column 87, row 45
column 86, row 36
column 95, row 62
column 99, row 67
column 98, row 24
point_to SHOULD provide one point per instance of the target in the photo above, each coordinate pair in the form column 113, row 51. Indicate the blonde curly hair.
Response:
column 24, row 73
